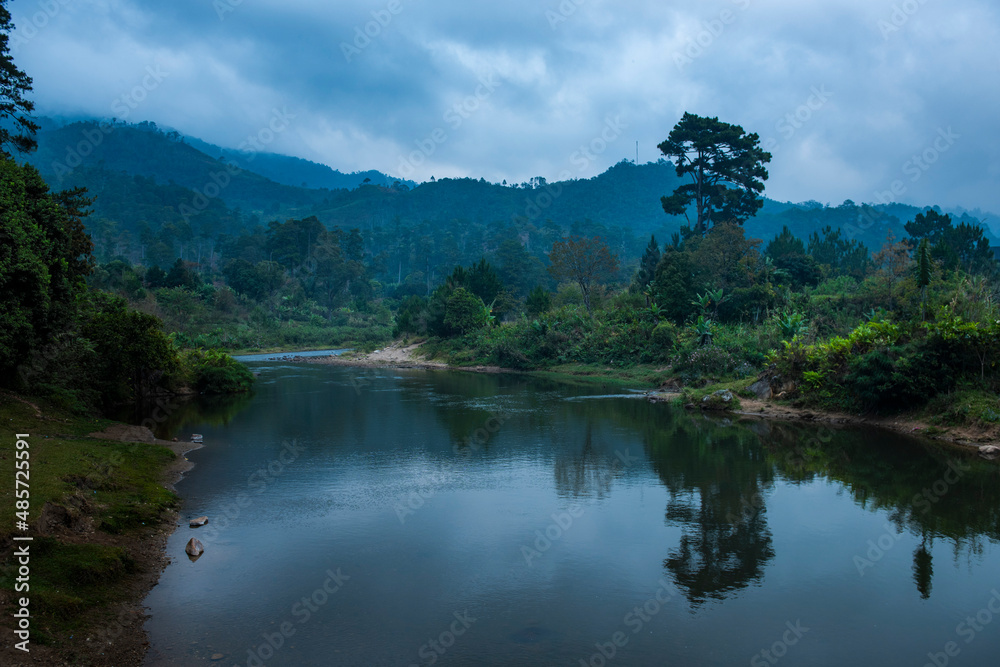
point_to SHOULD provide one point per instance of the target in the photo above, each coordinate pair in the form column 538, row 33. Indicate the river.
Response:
column 408, row 517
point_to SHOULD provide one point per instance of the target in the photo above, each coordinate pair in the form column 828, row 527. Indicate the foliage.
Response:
column 588, row 262
column 884, row 367
column 44, row 257
column 538, row 301
column 17, row 127
column 215, row 372
column 647, row 267
column 465, row 312
column 717, row 156
column 132, row 354
column 791, row 324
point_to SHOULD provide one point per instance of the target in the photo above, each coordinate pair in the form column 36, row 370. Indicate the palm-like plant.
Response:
column 703, row 301
column 704, row 329
column 791, row 324
column 656, row 311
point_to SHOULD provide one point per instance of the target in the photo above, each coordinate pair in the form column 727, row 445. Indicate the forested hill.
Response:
column 150, row 184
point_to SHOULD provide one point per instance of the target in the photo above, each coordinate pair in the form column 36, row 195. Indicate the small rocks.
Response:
column 199, row 522
column 719, row 400
column 194, row 548
column 990, row 452
column 217, row 657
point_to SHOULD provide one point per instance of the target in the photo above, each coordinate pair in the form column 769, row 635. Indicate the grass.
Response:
column 116, row 484
column 964, row 407
column 737, row 387
column 635, row 376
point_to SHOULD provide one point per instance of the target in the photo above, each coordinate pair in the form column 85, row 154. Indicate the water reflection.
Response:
column 755, row 522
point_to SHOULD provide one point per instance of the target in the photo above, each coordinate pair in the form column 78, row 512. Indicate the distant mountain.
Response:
column 147, row 180
column 295, row 171
column 144, row 150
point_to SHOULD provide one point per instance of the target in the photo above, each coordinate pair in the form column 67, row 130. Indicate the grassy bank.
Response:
column 97, row 508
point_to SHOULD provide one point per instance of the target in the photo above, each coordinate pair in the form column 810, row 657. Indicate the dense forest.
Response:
column 229, row 259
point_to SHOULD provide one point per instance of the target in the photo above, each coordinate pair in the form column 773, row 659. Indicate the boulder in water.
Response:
column 194, row 548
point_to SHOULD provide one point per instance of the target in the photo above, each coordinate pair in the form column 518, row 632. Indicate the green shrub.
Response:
column 664, row 339
column 215, row 372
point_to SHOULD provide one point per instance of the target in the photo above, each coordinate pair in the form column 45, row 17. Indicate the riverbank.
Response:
column 662, row 388
column 101, row 509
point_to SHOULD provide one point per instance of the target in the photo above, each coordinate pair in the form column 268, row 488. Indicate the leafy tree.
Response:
column 829, row 248
column 483, row 281
column 930, row 225
column 156, row 277
column 647, row 267
column 16, row 127
column 518, row 269
column 924, row 268
column 44, row 258
column 181, row 276
column 801, row 270
column 672, row 287
column 539, row 301
column 465, row 311
column 132, row 351
column 725, row 257
column 726, row 167
column 588, row 262
column 291, row 242
column 785, row 243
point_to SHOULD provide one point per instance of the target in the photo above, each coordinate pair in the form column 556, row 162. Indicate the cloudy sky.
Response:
column 859, row 99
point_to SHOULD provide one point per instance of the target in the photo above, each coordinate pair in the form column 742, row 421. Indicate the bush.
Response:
column 215, row 372
column 664, row 339
column 465, row 312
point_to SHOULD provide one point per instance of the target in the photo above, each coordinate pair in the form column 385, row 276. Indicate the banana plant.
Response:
column 703, row 328
column 656, row 312
column 791, row 324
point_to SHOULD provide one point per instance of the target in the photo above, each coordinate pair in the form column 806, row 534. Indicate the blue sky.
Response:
column 859, row 99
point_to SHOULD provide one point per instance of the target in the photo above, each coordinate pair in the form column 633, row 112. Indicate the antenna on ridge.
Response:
column 637, row 153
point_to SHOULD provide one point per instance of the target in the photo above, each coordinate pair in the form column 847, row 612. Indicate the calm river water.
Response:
column 402, row 517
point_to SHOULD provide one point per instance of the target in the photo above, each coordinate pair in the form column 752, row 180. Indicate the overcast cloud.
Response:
column 869, row 84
